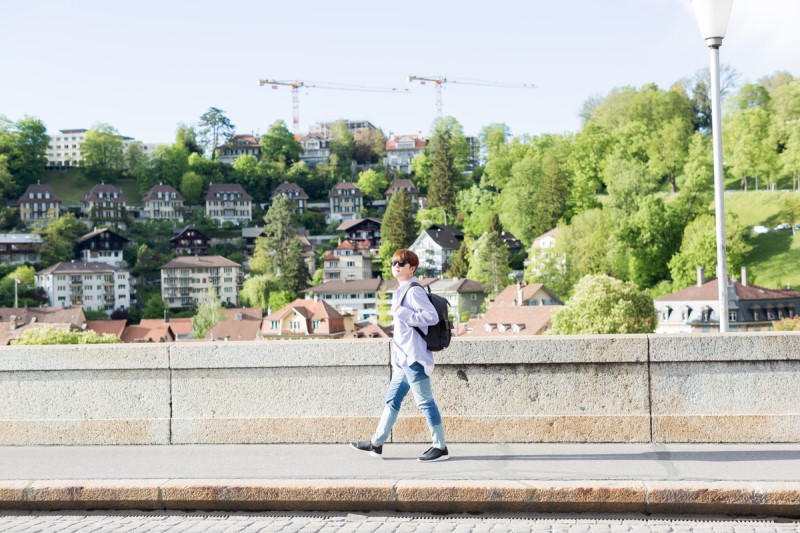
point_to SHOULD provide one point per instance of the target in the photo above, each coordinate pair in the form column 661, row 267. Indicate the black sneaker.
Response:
column 434, row 454
column 368, row 447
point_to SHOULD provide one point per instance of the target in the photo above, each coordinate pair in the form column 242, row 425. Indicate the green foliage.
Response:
column 59, row 236
column 154, row 308
column 280, row 299
column 215, row 130
column 398, row 224
column 52, row 335
column 430, row 216
column 475, row 206
column 601, row 305
column 699, row 248
column 186, row 137
column 489, row 265
column 459, row 263
column 27, row 294
column 385, row 252
column 370, row 146
column 209, row 313
column 279, row 145
column 256, row 290
column 272, row 248
column 102, row 154
column 787, row 324
column 374, row 184
column 421, row 167
column 23, row 149
column 343, row 147
column 443, row 175
column 192, row 185
column 384, row 307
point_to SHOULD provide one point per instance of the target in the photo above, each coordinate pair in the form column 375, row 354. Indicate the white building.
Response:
column 358, row 298
column 93, row 286
column 65, row 148
column 434, row 247
column 229, row 202
column 184, row 280
column 350, row 260
column 401, row 151
column 162, row 202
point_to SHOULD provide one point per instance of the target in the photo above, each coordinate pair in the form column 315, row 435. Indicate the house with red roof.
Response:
column 401, row 151
column 350, row 260
column 242, row 324
column 304, row 318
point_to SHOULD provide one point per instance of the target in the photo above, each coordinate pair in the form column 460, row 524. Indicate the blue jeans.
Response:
column 404, row 379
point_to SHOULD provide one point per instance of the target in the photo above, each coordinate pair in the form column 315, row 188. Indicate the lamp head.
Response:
column 712, row 17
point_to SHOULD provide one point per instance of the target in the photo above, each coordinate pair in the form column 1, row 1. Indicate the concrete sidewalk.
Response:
column 645, row 478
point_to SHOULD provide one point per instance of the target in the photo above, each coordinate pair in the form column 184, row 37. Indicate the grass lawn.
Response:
column 71, row 185
column 775, row 259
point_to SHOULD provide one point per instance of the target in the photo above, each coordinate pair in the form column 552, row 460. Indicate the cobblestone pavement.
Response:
column 198, row 522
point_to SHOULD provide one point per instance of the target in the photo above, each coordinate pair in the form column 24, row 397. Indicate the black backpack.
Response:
column 438, row 336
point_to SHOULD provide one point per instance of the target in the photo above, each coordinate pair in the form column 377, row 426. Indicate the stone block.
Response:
column 760, row 346
column 724, row 497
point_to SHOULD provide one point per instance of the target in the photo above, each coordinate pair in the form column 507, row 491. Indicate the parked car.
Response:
column 760, row 229
column 783, row 227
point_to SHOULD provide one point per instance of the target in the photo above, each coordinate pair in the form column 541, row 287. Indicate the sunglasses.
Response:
column 397, row 263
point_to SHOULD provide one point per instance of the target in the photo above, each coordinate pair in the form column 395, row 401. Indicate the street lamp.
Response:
column 712, row 17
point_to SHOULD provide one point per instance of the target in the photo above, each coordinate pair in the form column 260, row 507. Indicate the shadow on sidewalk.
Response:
column 715, row 456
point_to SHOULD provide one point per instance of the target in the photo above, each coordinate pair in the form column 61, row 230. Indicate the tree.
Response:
column 343, row 147
column 601, row 305
column 294, row 276
column 215, row 130
column 209, row 313
column 256, row 290
column 279, row 145
column 373, row 183
column 699, row 248
column 370, row 146
column 459, row 266
column 475, row 207
column 23, row 151
column 54, row 335
column 450, row 129
column 102, row 153
column 191, row 188
column 443, row 176
column 697, row 183
column 272, row 248
column 186, row 137
column 154, row 308
column 790, row 209
column 489, row 265
column 168, row 165
column 59, row 236
column 628, row 181
column 421, row 167
column 398, row 222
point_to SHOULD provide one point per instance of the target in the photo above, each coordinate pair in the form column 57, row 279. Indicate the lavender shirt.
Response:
column 408, row 346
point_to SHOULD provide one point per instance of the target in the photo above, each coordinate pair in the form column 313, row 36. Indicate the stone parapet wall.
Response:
column 613, row 388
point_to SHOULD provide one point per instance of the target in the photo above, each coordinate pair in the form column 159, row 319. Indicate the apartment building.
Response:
column 346, row 201
column 20, row 248
column 184, row 280
column 162, row 202
column 228, row 202
column 64, row 150
column 93, row 286
column 39, row 204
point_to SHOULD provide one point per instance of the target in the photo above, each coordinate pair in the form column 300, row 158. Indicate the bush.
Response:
column 52, row 335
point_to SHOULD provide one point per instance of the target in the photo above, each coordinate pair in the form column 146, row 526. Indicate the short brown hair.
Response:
column 406, row 255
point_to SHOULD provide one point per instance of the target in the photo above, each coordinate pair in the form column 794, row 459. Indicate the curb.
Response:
column 598, row 496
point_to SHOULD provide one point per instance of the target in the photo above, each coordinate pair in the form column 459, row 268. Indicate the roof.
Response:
column 353, row 245
column 345, row 186
column 373, row 331
column 290, row 187
column 419, row 142
column 47, row 315
column 178, row 232
column 552, row 233
column 114, row 327
column 229, row 188
column 200, row 261
column 239, row 325
column 508, row 296
column 97, row 231
column 708, row 292
column 447, row 237
column 237, row 140
column 179, row 326
column 310, row 309
column 79, row 267
column 20, row 238
column 463, row 285
column 530, row 320
column 402, row 184
column 161, row 333
column 152, row 194
column 40, row 188
column 349, row 224
column 94, row 194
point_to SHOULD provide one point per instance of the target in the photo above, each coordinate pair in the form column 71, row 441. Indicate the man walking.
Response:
column 412, row 362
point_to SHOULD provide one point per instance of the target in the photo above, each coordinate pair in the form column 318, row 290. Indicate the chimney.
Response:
column 700, row 276
column 519, row 294
column 744, row 276
column 166, row 318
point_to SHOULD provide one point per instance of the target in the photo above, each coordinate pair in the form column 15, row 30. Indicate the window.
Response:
column 294, row 324
column 732, row 316
column 315, row 324
column 473, row 297
column 274, row 324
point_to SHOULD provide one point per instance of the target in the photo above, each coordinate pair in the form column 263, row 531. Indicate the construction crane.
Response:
column 295, row 86
column 441, row 80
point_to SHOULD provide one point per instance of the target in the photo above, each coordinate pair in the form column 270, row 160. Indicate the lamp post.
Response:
column 712, row 17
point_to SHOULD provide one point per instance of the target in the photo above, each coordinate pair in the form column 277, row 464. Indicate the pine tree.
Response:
column 272, row 248
column 294, row 272
column 398, row 224
column 490, row 265
column 441, row 183
column 459, row 268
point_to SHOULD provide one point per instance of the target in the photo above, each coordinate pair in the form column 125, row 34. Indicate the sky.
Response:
column 145, row 67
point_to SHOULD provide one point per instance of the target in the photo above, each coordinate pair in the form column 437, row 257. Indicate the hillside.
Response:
column 775, row 259
column 70, row 186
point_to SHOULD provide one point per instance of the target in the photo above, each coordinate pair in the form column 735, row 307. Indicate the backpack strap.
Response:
column 410, row 285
